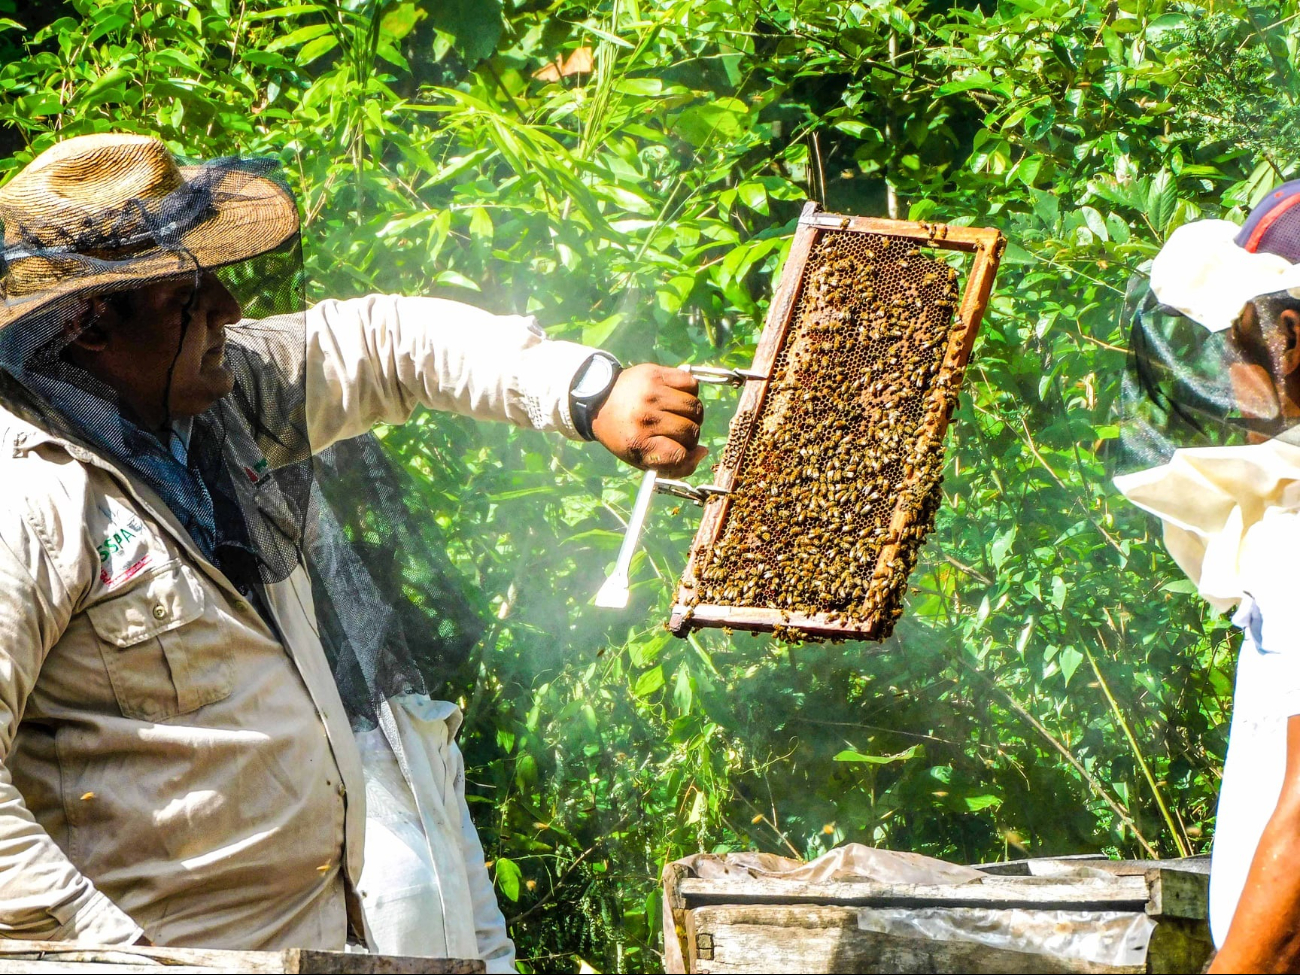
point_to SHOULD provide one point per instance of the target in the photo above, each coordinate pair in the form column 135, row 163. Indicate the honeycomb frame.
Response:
column 907, row 514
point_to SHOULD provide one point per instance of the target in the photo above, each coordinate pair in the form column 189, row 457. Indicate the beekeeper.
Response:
column 1213, row 403
column 212, row 665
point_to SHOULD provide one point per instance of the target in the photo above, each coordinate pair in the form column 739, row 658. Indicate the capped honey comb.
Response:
column 834, row 461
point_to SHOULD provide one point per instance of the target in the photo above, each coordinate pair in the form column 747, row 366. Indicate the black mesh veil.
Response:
column 1187, row 386
column 257, row 498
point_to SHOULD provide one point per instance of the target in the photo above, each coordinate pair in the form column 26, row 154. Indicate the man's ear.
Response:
column 89, row 328
column 1289, row 325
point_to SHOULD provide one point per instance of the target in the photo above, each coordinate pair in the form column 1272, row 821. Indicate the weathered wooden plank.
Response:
column 326, row 962
column 1038, row 866
column 1116, row 894
column 1178, row 893
column 1179, row 946
column 66, row 956
column 727, row 939
column 60, row 966
column 46, row 956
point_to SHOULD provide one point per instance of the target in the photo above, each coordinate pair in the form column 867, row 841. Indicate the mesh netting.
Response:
column 205, row 263
column 1186, row 386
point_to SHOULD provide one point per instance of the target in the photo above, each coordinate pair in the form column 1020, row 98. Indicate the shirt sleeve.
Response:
column 375, row 359
column 42, row 895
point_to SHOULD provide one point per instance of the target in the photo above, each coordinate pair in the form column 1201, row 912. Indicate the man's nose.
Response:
column 225, row 306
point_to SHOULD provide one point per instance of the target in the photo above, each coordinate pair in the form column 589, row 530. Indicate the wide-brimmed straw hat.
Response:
column 108, row 212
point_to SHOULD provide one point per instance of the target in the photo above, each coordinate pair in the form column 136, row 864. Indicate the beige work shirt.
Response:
column 168, row 765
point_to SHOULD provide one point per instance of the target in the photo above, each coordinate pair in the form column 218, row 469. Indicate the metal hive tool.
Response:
column 833, row 462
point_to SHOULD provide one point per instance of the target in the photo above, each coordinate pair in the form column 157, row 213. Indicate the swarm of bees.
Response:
column 839, row 483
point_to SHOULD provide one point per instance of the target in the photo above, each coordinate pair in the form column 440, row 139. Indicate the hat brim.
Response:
column 251, row 215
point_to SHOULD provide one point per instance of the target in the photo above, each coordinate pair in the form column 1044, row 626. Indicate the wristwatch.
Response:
column 591, row 387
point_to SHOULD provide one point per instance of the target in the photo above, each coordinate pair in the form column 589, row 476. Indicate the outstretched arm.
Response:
column 1265, row 932
column 375, row 359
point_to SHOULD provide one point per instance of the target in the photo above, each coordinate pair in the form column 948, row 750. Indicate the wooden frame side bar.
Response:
column 770, row 342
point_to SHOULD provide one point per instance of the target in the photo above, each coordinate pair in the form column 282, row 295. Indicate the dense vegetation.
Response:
column 1053, row 688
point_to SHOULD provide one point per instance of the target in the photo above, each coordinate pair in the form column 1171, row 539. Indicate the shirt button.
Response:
column 159, row 612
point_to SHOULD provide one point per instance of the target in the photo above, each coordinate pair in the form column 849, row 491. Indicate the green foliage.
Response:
column 1053, row 688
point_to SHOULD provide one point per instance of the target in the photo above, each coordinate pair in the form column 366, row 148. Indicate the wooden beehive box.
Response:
column 63, row 956
column 774, row 925
column 830, row 477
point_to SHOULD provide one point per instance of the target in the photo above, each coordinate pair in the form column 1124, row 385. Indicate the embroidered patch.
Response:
column 124, row 549
column 256, row 472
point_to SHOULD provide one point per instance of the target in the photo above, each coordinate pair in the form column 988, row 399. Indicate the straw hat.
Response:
column 87, row 217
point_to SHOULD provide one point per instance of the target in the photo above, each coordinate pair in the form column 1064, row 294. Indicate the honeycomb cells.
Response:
column 839, row 482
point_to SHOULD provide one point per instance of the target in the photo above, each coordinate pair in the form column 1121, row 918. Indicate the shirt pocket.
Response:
column 165, row 654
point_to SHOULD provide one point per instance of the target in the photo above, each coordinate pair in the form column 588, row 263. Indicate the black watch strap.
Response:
column 590, row 388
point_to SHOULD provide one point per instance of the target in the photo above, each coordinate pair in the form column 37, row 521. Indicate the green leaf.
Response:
column 849, row 755
column 400, row 19
column 979, row 80
column 1096, row 223
column 977, row 803
column 683, row 693
column 645, row 87
column 480, row 224
column 456, row 280
column 1001, row 546
column 1059, row 590
column 475, row 26
column 649, row 682
column 1069, row 660
column 314, row 49
column 719, row 120
column 300, row 36
column 753, row 195
column 101, row 89
column 282, row 13
column 1028, row 168
column 1162, row 197
column 40, row 104
column 1022, row 641
column 509, row 877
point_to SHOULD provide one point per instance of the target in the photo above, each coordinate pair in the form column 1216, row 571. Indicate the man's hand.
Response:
column 651, row 419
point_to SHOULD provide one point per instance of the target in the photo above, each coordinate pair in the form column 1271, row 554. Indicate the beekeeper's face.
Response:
column 1265, row 371
column 161, row 347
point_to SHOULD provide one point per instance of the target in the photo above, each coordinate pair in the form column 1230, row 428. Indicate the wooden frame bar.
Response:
column 986, row 246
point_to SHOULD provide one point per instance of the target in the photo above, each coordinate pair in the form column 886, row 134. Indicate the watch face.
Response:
column 595, row 379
